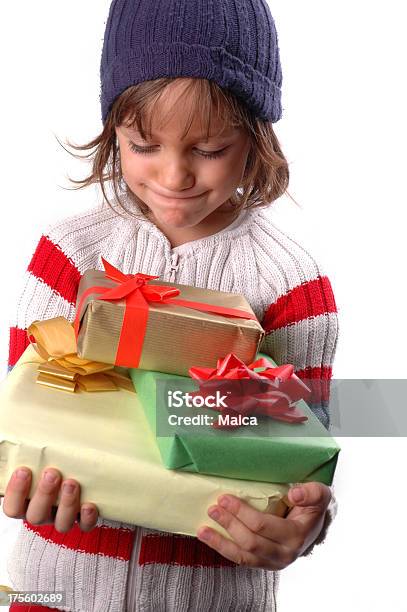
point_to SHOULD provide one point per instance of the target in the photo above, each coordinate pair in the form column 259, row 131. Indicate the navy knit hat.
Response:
column 231, row 42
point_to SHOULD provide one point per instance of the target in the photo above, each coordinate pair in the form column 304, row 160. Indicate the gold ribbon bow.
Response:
column 54, row 340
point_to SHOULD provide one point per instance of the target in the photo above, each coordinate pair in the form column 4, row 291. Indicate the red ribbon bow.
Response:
column 272, row 392
column 133, row 288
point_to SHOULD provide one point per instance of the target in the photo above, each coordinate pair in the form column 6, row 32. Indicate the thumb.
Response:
column 314, row 494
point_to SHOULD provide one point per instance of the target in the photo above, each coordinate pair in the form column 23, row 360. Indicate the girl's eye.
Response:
column 208, row 155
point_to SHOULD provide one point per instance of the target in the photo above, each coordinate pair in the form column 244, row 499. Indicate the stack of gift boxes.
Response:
column 157, row 401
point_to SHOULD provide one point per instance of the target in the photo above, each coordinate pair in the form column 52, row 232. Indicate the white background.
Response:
column 344, row 132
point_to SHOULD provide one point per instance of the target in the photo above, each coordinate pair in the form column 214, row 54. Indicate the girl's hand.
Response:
column 262, row 540
column 40, row 510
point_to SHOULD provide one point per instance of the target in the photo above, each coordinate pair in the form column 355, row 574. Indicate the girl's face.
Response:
column 183, row 182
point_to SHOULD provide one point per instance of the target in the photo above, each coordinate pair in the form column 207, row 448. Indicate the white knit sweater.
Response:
column 293, row 298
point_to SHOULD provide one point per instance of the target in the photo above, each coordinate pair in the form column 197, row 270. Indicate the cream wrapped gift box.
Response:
column 103, row 441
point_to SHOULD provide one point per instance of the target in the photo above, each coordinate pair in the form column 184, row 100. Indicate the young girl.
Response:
column 187, row 162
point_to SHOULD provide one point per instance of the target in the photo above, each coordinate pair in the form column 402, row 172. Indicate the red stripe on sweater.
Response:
column 178, row 550
column 18, row 343
column 319, row 381
column 310, row 299
column 22, row 608
column 53, row 267
column 116, row 543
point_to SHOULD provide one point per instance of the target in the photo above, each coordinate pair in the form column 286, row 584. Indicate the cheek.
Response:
column 224, row 171
column 132, row 168
column 229, row 176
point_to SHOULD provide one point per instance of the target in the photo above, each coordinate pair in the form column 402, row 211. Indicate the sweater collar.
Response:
column 237, row 227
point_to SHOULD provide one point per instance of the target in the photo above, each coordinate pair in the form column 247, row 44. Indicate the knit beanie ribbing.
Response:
column 231, row 42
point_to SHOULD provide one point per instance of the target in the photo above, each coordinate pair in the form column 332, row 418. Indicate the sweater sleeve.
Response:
column 49, row 289
column 302, row 329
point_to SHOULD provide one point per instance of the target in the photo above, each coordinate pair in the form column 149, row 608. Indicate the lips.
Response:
column 175, row 197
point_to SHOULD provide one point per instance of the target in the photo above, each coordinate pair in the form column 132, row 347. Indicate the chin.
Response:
column 177, row 217
column 178, row 221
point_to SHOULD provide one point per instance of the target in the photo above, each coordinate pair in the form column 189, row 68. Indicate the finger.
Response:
column 310, row 494
column 309, row 497
column 245, row 538
column 226, row 548
column 88, row 517
column 18, row 488
column 267, row 525
column 46, row 493
column 68, row 506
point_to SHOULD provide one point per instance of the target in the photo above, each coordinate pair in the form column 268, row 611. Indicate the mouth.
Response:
column 179, row 198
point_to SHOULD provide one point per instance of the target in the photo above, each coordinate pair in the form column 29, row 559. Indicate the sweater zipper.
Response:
column 173, row 266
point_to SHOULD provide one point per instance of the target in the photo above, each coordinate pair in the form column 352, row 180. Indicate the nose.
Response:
column 175, row 173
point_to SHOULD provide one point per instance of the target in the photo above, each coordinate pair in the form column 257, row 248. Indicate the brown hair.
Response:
column 266, row 174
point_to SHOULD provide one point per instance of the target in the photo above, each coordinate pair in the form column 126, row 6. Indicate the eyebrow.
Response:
column 200, row 138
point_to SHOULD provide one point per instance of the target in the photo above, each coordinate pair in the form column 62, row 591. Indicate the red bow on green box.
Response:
column 271, row 392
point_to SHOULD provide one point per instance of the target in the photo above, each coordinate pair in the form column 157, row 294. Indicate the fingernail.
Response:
column 50, row 477
column 22, row 474
column 224, row 502
column 87, row 511
column 214, row 514
column 297, row 494
column 205, row 534
column 68, row 488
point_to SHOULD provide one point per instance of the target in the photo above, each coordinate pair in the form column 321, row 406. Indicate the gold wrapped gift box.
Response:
column 173, row 337
column 103, row 441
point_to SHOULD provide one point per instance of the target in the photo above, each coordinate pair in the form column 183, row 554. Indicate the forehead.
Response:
column 179, row 112
column 193, row 135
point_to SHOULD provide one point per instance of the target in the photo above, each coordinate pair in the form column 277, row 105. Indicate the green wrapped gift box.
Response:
column 269, row 451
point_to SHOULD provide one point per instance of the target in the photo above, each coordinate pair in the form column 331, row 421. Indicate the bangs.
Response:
column 200, row 100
